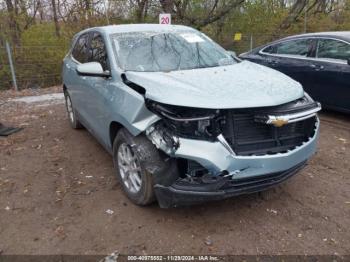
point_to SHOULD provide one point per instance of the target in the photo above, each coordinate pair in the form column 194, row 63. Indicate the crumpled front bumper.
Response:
column 186, row 192
column 248, row 174
column 216, row 158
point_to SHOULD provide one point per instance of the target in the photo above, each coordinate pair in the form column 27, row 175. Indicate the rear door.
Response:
column 77, row 84
column 331, row 73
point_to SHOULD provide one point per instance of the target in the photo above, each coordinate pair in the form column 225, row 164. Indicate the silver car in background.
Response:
column 185, row 120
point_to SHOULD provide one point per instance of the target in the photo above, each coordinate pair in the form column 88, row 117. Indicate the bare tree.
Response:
column 41, row 11
column 88, row 11
column 168, row 5
column 31, row 19
column 141, row 10
column 55, row 18
column 300, row 8
column 13, row 24
column 185, row 11
column 295, row 11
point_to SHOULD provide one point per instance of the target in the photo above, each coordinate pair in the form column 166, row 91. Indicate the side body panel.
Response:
column 331, row 84
column 298, row 69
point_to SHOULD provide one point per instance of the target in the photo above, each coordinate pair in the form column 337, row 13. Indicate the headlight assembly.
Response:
column 187, row 122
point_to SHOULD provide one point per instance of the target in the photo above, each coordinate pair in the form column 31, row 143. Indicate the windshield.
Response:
column 168, row 51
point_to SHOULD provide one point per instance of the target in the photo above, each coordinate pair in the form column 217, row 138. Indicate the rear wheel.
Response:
column 136, row 181
column 74, row 122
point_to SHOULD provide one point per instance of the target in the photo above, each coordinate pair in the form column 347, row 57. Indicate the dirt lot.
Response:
column 56, row 185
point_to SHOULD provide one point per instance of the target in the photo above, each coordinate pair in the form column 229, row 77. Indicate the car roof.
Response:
column 344, row 35
column 114, row 29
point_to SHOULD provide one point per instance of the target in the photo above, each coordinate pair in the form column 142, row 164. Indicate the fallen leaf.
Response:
column 342, row 139
column 109, row 211
column 272, row 211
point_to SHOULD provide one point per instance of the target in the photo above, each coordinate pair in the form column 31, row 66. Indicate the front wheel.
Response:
column 136, row 182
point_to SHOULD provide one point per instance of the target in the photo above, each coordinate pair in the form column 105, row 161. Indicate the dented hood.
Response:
column 241, row 85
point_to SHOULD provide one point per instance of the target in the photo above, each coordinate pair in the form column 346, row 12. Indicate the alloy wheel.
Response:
column 129, row 168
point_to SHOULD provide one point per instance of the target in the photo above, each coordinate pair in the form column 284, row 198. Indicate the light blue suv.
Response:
column 185, row 120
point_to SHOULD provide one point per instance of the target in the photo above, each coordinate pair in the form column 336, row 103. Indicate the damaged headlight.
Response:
column 188, row 122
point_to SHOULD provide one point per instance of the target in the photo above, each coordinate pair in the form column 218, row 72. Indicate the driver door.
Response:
column 97, row 90
column 291, row 57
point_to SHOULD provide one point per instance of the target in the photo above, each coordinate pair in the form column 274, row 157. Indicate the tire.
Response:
column 138, row 185
column 72, row 116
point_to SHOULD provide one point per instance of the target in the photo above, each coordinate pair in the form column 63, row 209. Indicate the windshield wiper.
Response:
column 207, row 66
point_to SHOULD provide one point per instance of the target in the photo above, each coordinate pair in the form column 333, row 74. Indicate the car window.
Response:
column 80, row 50
column 299, row 47
column 98, row 51
column 333, row 49
column 270, row 49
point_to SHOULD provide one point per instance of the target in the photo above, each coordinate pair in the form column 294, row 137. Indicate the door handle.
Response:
column 272, row 62
column 317, row 67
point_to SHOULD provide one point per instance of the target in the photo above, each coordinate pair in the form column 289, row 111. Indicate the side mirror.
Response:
column 232, row 53
column 92, row 69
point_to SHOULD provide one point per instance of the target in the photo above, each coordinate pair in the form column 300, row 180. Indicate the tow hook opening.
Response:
column 192, row 171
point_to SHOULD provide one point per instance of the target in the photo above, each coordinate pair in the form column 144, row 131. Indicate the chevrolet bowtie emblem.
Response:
column 279, row 122
column 282, row 120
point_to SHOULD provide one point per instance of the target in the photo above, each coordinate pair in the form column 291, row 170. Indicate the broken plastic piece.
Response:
column 6, row 131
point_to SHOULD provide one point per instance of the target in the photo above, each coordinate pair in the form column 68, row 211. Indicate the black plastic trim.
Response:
column 182, row 192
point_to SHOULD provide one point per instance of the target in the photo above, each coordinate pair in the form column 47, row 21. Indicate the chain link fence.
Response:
column 5, row 70
column 250, row 41
column 33, row 66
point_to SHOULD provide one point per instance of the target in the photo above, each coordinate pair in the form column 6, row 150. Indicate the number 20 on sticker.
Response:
column 165, row 19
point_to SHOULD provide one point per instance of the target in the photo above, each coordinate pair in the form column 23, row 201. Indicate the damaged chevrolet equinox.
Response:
column 185, row 120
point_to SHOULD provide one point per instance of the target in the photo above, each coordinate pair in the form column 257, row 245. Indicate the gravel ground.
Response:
column 59, row 195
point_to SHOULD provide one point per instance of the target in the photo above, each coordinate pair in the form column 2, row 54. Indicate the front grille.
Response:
column 247, row 137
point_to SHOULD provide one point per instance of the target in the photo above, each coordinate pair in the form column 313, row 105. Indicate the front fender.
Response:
column 128, row 108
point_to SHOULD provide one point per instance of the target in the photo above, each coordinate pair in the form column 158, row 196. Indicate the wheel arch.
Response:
column 133, row 128
column 114, row 127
